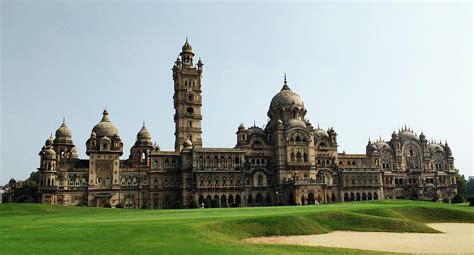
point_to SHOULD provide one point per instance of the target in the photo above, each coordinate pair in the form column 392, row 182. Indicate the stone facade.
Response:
column 287, row 162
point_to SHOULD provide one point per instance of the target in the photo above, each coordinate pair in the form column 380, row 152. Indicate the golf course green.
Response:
column 44, row 229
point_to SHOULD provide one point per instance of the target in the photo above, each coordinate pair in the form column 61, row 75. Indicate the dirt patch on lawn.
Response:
column 456, row 238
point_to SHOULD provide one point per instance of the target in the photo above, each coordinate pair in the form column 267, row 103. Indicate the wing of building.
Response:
column 287, row 162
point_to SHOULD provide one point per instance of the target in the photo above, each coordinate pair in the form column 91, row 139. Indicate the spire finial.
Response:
column 51, row 135
column 285, row 84
column 254, row 123
column 143, row 124
column 64, row 121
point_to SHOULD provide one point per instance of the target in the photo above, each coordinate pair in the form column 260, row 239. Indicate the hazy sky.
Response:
column 363, row 68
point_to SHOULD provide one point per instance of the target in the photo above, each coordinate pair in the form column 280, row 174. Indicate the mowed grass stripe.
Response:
column 41, row 229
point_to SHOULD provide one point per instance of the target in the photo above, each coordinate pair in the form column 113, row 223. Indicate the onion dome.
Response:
column 255, row 131
column 144, row 137
column 187, row 47
column 370, row 148
column 241, row 127
column 320, row 133
column 49, row 141
column 63, row 134
column 105, row 127
column 447, row 149
column 381, row 145
column 49, row 153
column 296, row 123
column 279, row 122
column 285, row 99
column 156, row 147
column 434, row 147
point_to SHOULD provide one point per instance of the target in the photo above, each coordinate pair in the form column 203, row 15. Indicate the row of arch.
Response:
column 228, row 162
column 360, row 197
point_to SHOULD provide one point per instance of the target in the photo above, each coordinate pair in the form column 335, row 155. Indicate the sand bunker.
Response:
column 456, row 238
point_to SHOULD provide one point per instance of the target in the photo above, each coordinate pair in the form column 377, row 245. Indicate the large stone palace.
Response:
column 289, row 162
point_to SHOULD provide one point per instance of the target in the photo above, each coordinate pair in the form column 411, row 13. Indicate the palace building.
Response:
column 289, row 162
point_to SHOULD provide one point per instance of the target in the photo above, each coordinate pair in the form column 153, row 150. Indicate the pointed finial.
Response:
column 285, row 84
column 51, row 135
column 143, row 124
column 254, row 123
column 318, row 126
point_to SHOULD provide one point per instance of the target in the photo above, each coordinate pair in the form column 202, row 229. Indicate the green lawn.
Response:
column 42, row 229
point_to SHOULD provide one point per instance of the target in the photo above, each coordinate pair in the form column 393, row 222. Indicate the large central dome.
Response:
column 286, row 99
column 105, row 127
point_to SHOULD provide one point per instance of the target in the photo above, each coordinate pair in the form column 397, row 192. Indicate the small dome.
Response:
column 279, row 122
column 241, row 127
column 187, row 47
column 255, row 131
column 105, row 127
column 63, row 134
column 370, row 147
column 321, row 133
column 49, row 141
column 447, row 149
column 296, row 123
column 49, row 153
column 143, row 136
column 381, row 145
column 434, row 147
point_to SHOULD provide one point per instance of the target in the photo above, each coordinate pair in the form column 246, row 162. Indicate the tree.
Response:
column 207, row 203
column 461, row 185
column 193, row 204
column 457, row 199
column 470, row 187
column 177, row 205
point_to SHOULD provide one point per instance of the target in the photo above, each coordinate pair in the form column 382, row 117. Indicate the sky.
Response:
column 364, row 68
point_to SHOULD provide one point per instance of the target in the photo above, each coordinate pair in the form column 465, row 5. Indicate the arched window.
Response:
column 260, row 180
column 190, row 111
column 298, row 157
column 298, row 139
column 305, row 157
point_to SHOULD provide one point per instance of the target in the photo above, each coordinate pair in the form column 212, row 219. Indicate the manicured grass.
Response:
column 42, row 229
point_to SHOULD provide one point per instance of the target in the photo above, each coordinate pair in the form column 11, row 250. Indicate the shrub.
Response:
column 118, row 206
column 177, row 205
column 457, row 199
column 144, row 207
column 446, row 200
column 207, row 203
column 215, row 203
column 471, row 201
column 193, row 204
column 107, row 205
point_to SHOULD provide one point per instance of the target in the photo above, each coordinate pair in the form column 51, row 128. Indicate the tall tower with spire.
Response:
column 187, row 98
